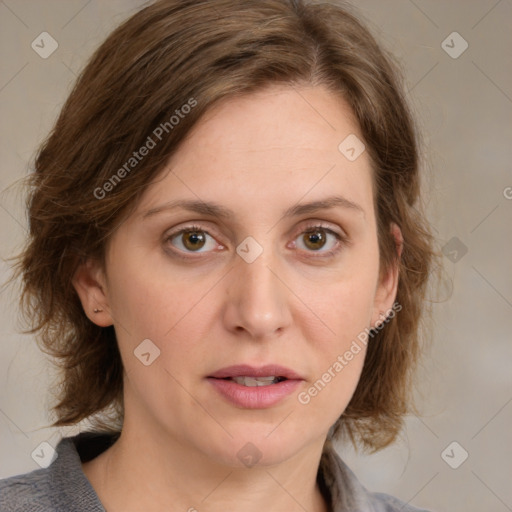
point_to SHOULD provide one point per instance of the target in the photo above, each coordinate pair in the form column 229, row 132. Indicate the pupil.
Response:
column 194, row 240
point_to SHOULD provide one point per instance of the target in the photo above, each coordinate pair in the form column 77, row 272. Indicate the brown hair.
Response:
column 189, row 52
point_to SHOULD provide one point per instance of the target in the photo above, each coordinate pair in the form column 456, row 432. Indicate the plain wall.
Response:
column 464, row 105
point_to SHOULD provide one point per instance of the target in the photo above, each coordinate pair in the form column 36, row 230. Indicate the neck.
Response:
column 153, row 471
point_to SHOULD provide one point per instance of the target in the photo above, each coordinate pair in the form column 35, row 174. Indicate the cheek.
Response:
column 338, row 348
column 337, row 359
column 172, row 310
column 151, row 299
column 346, row 315
column 344, row 299
column 173, row 313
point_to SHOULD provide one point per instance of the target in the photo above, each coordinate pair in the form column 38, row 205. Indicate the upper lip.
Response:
column 245, row 370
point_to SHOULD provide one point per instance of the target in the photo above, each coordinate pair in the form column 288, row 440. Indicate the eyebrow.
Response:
column 221, row 212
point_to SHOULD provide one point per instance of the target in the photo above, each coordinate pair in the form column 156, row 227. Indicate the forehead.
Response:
column 280, row 117
column 275, row 146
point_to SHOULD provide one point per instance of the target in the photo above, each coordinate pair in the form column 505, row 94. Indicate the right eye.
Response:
column 192, row 240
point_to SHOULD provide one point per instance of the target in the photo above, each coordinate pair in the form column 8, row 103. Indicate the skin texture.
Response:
column 258, row 156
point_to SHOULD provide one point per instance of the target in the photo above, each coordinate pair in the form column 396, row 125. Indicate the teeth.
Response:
column 255, row 381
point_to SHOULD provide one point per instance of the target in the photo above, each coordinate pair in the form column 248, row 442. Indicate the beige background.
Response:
column 465, row 107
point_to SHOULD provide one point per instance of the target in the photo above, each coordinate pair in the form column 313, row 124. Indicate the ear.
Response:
column 388, row 283
column 90, row 284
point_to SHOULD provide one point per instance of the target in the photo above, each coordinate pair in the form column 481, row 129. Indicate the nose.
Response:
column 257, row 301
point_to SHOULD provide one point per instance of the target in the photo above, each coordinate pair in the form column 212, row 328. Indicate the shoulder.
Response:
column 389, row 503
column 62, row 485
column 28, row 493
column 344, row 491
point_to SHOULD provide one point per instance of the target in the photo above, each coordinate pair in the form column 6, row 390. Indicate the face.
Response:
column 256, row 246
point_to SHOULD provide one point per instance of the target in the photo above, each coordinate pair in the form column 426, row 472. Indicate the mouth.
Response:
column 251, row 376
column 249, row 387
column 252, row 382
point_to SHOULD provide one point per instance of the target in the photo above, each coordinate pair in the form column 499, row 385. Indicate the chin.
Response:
column 255, row 447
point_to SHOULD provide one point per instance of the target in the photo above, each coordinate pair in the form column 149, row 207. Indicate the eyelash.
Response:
column 340, row 238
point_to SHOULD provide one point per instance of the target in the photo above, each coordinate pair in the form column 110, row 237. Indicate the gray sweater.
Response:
column 63, row 486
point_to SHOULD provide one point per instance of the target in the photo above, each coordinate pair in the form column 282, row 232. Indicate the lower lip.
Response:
column 254, row 397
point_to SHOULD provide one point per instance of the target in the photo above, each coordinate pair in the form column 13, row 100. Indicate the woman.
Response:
column 226, row 257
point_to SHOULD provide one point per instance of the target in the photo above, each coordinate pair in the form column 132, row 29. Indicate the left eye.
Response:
column 195, row 240
column 316, row 239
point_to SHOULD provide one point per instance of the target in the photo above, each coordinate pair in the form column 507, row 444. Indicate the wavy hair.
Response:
column 151, row 65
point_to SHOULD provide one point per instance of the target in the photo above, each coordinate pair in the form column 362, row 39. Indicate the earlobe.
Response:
column 388, row 285
column 90, row 285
